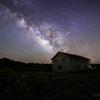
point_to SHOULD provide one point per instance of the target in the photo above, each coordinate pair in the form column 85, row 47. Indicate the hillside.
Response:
column 24, row 67
column 21, row 81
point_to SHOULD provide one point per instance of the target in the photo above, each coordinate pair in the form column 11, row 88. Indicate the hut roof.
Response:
column 70, row 55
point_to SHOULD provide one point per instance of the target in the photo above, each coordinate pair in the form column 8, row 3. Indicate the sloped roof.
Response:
column 70, row 55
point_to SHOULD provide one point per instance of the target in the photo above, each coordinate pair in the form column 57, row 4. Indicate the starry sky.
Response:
column 35, row 30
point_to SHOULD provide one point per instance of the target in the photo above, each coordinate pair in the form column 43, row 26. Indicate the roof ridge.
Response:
column 72, row 54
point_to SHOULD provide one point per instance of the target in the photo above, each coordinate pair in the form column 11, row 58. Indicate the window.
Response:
column 55, row 60
column 86, row 66
column 77, row 67
column 59, row 67
column 63, row 59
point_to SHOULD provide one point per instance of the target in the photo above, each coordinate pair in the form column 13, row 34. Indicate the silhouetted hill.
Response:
column 22, row 67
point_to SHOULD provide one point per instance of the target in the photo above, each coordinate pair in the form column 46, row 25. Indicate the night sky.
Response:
column 35, row 30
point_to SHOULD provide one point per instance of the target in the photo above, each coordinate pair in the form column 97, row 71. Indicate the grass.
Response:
column 37, row 84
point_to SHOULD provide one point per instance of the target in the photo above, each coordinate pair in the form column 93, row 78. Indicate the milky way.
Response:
column 34, row 30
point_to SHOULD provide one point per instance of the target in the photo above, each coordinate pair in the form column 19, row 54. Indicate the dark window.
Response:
column 86, row 66
column 59, row 67
column 55, row 60
column 63, row 59
column 77, row 67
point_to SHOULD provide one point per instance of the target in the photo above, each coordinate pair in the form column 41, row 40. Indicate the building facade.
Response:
column 63, row 62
